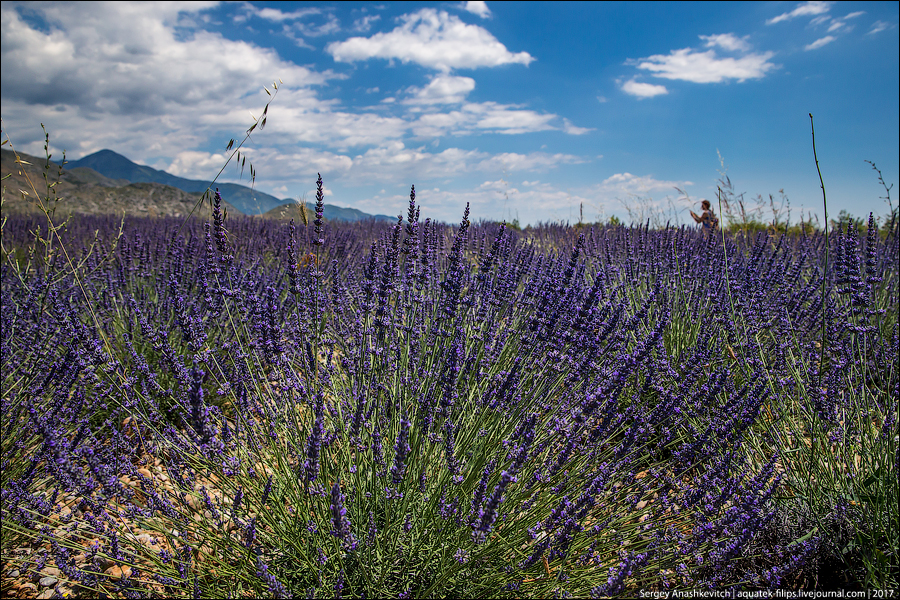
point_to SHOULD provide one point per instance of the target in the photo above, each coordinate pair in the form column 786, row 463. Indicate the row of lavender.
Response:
column 425, row 410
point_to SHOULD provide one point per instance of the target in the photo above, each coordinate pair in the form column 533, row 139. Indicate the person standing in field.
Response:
column 708, row 220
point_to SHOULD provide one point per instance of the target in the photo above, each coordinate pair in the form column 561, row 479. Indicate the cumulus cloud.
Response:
column 394, row 159
column 820, row 42
column 117, row 76
column 273, row 14
column 643, row 90
column 706, row 67
column 188, row 162
column 138, row 79
column 626, row 183
column 482, row 116
column 803, row 10
column 479, row 8
column 533, row 201
column 727, row 41
column 433, row 39
column 442, row 89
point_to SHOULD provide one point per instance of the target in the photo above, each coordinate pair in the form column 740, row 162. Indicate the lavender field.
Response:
column 244, row 408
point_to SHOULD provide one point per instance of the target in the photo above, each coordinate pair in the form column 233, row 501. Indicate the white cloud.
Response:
column 288, row 32
column 841, row 23
column 393, row 161
column 626, row 183
column 442, row 89
column 643, row 90
column 329, row 26
column 364, row 24
column 572, row 129
column 483, row 116
column 186, row 163
column 820, row 42
column 273, row 14
column 130, row 77
column 706, row 67
column 116, row 75
column 533, row 201
column 727, row 41
column 433, row 39
column 311, row 22
column 802, row 10
column 879, row 26
column 479, row 8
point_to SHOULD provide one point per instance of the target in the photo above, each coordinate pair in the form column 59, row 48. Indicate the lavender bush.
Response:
column 243, row 407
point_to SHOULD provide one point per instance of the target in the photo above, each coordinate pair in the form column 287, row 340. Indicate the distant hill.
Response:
column 116, row 166
column 331, row 212
column 246, row 200
column 83, row 190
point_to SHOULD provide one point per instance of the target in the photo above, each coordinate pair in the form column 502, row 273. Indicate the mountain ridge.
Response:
column 249, row 201
column 82, row 189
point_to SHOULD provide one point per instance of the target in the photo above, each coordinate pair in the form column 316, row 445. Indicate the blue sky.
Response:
column 526, row 110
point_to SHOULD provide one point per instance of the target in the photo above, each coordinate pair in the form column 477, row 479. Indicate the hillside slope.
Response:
column 83, row 190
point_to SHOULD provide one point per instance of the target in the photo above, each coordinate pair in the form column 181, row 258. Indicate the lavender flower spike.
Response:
column 401, row 450
column 320, row 209
column 339, row 518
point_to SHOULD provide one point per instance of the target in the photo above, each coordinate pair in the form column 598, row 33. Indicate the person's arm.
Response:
column 696, row 218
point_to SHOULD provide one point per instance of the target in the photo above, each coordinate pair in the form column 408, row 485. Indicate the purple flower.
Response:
column 340, row 522
column 319, row 231
column 401, row 450
column 275, row 587
column 314, row 443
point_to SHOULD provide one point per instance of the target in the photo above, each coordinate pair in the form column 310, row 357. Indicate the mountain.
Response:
column 246, row 200
column 291, row 210
column 116, row 166
column 83, row 190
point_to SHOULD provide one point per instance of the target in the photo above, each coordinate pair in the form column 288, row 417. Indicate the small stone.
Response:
column 48, row 581
column 28, row 586
column 145, row 472
column 13, row 574
column 50, row 571
column 117, row 572
column 146, row 539
column 641, row 504
column 46, row 594
column 65, row 511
